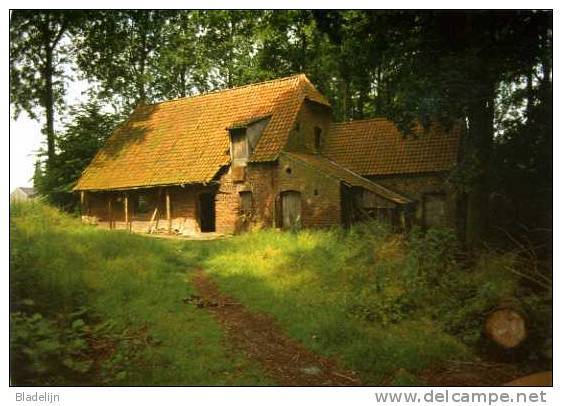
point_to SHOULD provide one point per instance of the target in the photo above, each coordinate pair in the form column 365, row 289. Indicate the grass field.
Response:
column 98, row 307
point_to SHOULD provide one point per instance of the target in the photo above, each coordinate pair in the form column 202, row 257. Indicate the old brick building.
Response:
column 264, row 155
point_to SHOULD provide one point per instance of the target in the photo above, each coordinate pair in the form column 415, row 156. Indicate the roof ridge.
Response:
column 211, row 92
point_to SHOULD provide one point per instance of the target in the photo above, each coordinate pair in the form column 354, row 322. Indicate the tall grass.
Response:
column 90, row 306
column 387, row 306
column 97, row 307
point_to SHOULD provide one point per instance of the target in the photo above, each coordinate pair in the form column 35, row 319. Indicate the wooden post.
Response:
column 126, row 211
column 82, row 198
column 109, row 211
column 168, row 211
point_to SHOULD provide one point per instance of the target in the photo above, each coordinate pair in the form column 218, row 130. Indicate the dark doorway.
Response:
column 207, row 212
column 291, row 209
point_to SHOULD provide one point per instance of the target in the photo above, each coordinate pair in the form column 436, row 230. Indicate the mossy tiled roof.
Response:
column 186, row 140
column 377, row 147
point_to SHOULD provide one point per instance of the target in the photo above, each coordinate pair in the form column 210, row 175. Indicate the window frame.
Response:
column 245, row 210
column 239, row 133
column 317, row 138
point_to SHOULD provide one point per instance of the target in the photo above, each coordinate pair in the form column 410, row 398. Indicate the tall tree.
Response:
column 118, row 49
column 449, row 66
column 37, row 57
column 182, row 66
column 85, row 133
column 229, row 40
column 459, row 59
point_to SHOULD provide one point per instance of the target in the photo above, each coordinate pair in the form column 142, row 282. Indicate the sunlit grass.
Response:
column 384, row 305
column 129, row 282
column 339, row 294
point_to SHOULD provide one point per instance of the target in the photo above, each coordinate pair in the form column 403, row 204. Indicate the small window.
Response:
column 245, row 202
column 317, row 138
column 240, row 150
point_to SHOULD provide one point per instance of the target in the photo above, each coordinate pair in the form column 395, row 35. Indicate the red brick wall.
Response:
column 301, row 137
column 226, row 205
column 415, row 186
column 320, row 193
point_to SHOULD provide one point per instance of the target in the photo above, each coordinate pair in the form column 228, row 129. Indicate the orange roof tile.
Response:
column 337, row 171
column 377, row 147
column 186, row 140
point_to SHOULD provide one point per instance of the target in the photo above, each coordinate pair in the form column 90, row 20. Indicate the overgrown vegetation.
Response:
column 386, row 305
column 90, row 306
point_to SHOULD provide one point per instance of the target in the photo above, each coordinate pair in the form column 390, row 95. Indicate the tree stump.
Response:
column 506, row 327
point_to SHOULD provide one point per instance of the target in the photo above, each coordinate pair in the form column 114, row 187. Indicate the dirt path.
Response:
column 286, row 361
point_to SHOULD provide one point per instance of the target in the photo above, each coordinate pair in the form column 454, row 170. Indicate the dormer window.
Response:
column 317, row 138
column 239, row 147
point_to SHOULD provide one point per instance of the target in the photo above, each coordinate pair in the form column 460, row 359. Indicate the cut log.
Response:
column 506, row 327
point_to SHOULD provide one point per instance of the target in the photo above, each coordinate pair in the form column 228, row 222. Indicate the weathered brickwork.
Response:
column 302, row 137
column 260, row 181
column 226, row 205
column 418, row 187
column 320, row 193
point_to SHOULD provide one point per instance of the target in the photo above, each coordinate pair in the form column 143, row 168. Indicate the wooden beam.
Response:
column 82, row 199
column 126, row 211
column 168, row 211
column 154, row 213
column 109, row 212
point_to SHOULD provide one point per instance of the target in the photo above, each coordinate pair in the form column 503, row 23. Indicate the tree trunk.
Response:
column 141, row 85
column 530, row 94
column 480, row 139
column 48, row 104
column 344, row 97
column 379, row 92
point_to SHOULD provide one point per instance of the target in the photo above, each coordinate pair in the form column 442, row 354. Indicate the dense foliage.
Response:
column 81, row 139
column 377, row 299
column 488, row 71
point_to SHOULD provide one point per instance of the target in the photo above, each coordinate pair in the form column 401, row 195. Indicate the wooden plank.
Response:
column 154, row 214
column 168, row 211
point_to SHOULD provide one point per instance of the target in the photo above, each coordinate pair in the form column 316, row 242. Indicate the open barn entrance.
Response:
column 207, row 212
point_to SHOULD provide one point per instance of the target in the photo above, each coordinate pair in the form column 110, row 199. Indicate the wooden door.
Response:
column 291, row 208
